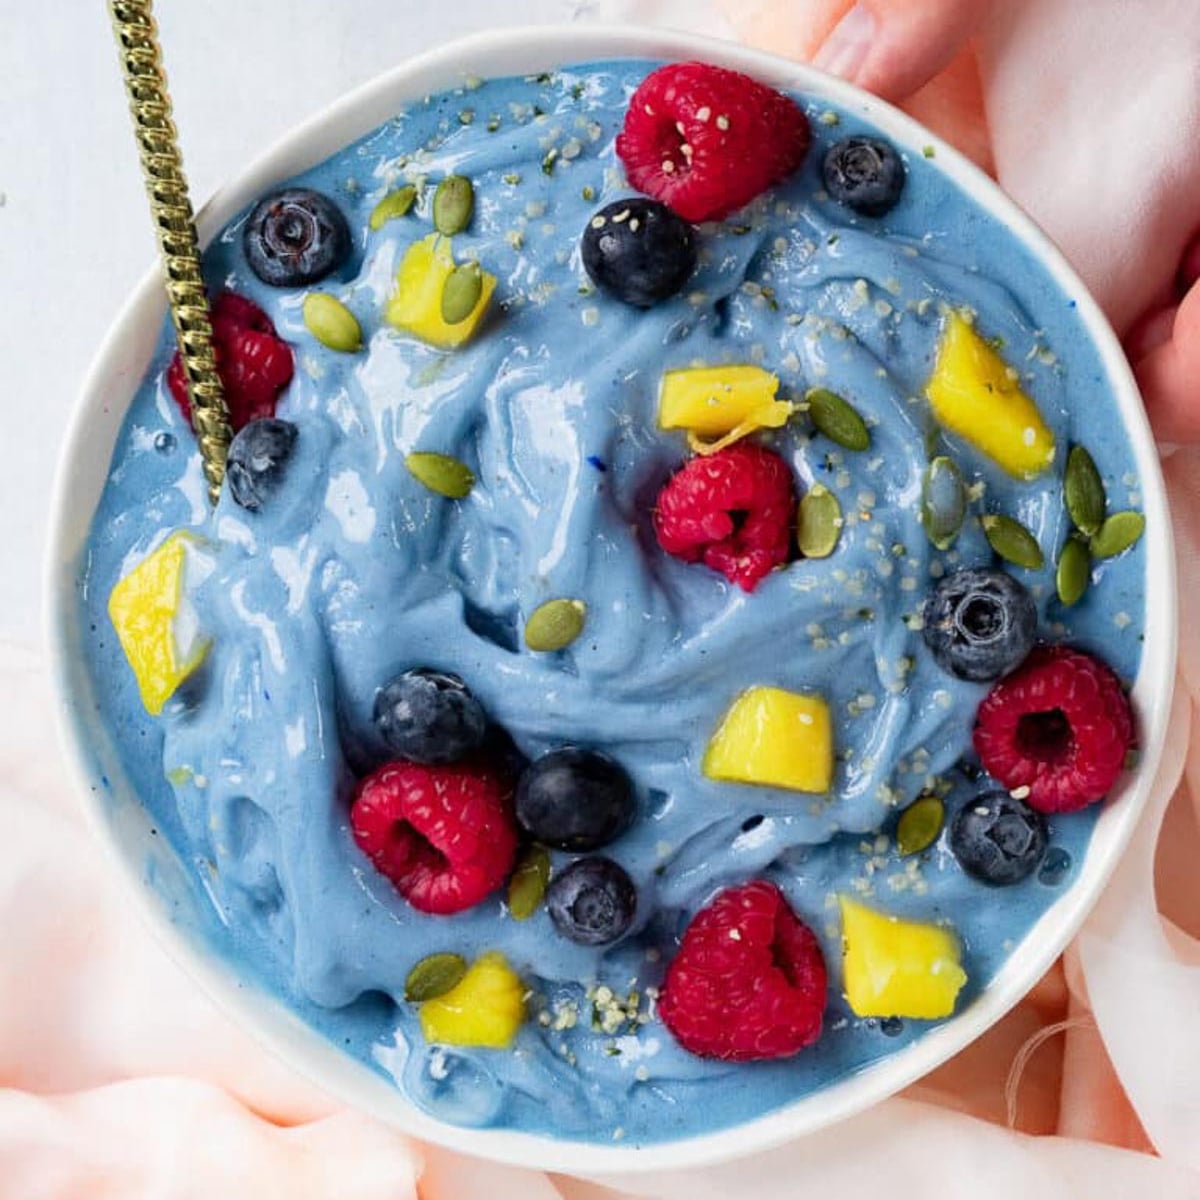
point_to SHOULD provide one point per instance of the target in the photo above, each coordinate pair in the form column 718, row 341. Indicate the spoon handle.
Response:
column 171, row 209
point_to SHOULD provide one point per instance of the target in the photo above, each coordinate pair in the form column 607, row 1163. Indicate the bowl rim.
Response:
column 104, row 398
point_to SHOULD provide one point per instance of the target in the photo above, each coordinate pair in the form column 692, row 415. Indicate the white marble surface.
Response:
column 74, row 230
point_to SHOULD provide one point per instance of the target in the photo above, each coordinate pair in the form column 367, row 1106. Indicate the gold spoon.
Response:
column 171, row 209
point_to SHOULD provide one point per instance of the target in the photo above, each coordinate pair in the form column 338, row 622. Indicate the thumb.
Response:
column 1169, row 376
column 894, row 47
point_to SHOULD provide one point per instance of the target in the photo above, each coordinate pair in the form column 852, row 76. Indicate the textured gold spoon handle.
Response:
column 162, row 167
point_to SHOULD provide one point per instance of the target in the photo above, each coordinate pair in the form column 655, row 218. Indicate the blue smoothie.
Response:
column 355, row 572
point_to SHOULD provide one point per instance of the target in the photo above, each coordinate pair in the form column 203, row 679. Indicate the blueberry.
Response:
column 257, row 458
column 429, row 717
column 864, row 173
column 997, row 838
column 638, row 251
column 295, row 237
column 980, row 624
column 574, row 799
column 592, row 902
column 1056, row 866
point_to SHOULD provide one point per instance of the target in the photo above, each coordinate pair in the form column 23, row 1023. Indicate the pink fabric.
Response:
column 121, row 1081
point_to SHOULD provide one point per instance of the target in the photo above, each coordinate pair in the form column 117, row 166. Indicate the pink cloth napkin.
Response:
column 121, row 1081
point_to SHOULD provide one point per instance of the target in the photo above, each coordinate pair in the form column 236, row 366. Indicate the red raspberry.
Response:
column 732, row 510
column 1060, row 725
column 255, row 365
column 445, row 835
column 748, row 981
column 705, row 140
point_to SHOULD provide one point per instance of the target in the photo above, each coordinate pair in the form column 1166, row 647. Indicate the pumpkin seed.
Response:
column 331, row 322
column 453, row 204
column 461, row 292
column 555, row 624
column 919, row 825
column 440, row 473
column 1074, row 571
column 1118, row 533
column 528, row 883
column 943, row 502
column 434, row 976
column 394, row 204
column 1083, row 491
column 1013, row 542
column 819, row 524
column 837, row 419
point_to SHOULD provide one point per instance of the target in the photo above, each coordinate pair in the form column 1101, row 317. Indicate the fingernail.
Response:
column 845, row 49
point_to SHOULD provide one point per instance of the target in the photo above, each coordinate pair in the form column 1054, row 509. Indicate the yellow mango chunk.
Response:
column 722, row 403
column 416, row 306
column 895, row 968
column 975, row 394
column 775, row 738
column 155, row 623
column 484, row 1008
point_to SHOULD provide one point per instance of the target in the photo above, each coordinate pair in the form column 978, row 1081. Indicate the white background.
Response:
column 75, row 234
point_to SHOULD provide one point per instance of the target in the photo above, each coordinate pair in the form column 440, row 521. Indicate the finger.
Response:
column 1150, row 332
column 791, row 28
column 894, row 47
column 1169, row 377
column 1189, row 271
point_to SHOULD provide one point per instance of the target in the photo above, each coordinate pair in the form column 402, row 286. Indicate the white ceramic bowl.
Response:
column 125, row 827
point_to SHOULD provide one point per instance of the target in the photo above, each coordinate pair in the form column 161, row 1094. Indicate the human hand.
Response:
column 917, row 53
column 895, row 47
column 1164, row 347
column 921, row 54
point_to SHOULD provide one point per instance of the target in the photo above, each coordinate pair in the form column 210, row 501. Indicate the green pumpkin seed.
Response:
column 331, row 322
column 434, row 976
column 555, row 624
column 394, row 204
column 1118, row 533
column 528, row 883
column 837, row 419
column 1013, row 542
column 440, row 473
column 919, row 825
column 453, row 204
column 943, row 502
column 1083, row 491
column 819, row 524
column 1074, row 571
column 461, row 292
